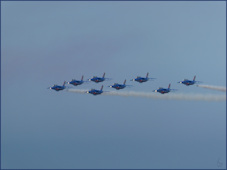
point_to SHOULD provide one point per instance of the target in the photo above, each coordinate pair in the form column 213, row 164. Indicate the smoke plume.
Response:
column 219, row 88
column 193, row 97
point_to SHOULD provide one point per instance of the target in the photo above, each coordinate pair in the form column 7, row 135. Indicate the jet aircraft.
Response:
column 96, row 92
column 98, row 79
column 76, row 82
column 142, row 79
column 57, row 87
column 188, row 82
column 118, row 86
column 163, row 90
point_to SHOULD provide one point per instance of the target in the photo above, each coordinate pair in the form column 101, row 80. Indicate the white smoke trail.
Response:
column 219, row 88
column 82, row 91
column 198, row 97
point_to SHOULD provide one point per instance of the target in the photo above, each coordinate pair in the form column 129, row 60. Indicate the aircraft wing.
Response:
column 173, row 90
column 108, row 78
column 198, row 82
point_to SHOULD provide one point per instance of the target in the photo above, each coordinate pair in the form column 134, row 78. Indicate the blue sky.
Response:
column 45, row 43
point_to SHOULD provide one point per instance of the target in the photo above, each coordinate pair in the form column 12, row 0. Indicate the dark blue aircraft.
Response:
column 98, row 79
column 57, row 87
column 96, row 92
column 76, row 82
column 142, row 79
column 118, row 86
column 188, row 82
column 163, row 90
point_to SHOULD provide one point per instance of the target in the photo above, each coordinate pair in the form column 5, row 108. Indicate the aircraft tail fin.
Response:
column 101, row 88
column 194, row 78
column 124, row 81
column 103, row 75
column 169, row 86
column 147, row 75
column 64, row 83
column 82, row 78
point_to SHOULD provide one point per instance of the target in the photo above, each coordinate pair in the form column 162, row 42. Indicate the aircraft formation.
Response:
column 119, row 86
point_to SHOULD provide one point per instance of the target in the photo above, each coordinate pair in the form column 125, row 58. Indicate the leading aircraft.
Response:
column 142, row 79
column 57, row 87
column 76, row 82
column 119, row 86
column 98, row 79
column 96, row 92
column 188, row 82
column 163, row 90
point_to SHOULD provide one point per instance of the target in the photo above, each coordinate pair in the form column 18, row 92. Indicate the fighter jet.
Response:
column 57, row 87
column 98, row 79
column 119, row 86
column 76, row 82
column 96, row 92
column 142, row 79
column 163, row 90
column 188, row 82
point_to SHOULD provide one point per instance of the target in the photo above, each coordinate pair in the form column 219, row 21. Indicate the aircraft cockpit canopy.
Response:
column 160, row 88
column 185, row 79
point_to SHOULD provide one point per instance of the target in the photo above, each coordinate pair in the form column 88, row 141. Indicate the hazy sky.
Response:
column 45, row 43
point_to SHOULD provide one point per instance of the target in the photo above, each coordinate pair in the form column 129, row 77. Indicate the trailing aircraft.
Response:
column 76, row 82
column 163, row 90
column 96, row 92
column 57, row 87
column 142, row 79
column 188, row 82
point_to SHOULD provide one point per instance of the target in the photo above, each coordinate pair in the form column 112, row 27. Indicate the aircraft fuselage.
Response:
column 97, row 79
column 118, row 86
column 57, row 88
column 187, row 83
column 141, row 79
column 76, row 83
column 95, row 92
column 162, row 91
